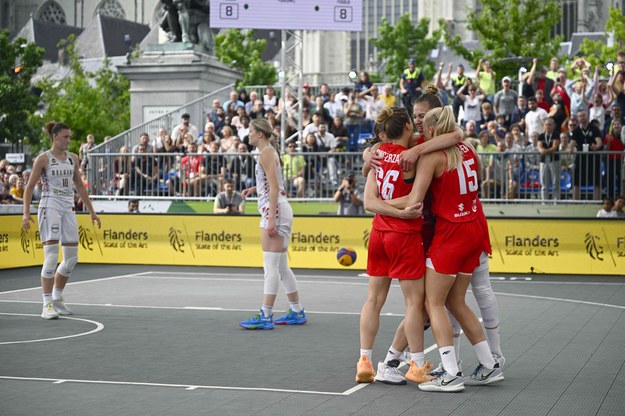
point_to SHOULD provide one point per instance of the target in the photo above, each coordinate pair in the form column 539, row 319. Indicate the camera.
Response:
column 350, row 179
column 559, row 79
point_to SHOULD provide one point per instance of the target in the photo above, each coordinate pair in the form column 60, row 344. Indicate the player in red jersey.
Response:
column 480, row 281
column 460, row 237
column 395, row 247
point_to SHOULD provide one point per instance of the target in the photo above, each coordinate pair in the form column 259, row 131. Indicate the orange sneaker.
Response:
column 364, row 370
column 418, row 374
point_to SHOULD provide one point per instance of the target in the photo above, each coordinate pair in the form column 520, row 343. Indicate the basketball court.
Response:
column 149, row 340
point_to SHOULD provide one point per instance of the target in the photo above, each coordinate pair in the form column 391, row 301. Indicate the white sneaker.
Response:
column 389, row 374
column 444, row 383
column 49, row 312
column 482, row 376
column 61, row 307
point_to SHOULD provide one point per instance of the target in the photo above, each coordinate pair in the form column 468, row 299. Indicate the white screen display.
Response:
column 340, row 15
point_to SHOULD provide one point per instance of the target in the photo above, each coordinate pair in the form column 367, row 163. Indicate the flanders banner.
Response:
column 549, row 246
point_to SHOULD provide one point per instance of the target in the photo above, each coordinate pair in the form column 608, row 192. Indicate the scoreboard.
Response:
column 340, row 15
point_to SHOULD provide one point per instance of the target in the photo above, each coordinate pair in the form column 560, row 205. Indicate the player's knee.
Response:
column 70, row 260
column 50, row 259
column 484, row 296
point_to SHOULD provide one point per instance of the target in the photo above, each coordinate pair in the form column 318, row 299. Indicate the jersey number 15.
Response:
column 469, row 179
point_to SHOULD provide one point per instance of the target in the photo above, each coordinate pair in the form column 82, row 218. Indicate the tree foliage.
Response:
column 19, row 61
column 511, row 32
column 239, row 50
column 598, row 52
column 96, row 103
column 396, row 44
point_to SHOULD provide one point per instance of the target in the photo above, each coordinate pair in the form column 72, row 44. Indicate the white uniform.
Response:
column 284, row 214
column 57, row 217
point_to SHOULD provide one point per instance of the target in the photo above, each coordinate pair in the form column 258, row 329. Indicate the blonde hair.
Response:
column 443, row 121
column 264, row 126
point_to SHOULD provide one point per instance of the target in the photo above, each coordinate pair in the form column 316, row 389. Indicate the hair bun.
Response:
column 385, row 114
column 431, row 89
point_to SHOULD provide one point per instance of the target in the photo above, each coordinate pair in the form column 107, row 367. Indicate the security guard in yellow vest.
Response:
column 410, row 84
column 457, row 81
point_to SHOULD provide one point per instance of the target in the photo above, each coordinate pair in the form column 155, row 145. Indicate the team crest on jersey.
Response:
column 53, row 161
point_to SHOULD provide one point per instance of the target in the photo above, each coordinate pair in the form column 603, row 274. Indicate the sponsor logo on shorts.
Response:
column 55, row 229
column 365, row 238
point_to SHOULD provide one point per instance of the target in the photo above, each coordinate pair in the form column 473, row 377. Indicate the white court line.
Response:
column 194, row 308
column 184, row 386
column 607, row 305
column 77, row 283
column 498, row 279
column 98, row 328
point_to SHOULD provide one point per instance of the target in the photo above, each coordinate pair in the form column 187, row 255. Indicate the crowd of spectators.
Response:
column 538, row 138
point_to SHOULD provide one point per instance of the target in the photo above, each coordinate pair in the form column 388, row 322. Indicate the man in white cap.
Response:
column 505, row 100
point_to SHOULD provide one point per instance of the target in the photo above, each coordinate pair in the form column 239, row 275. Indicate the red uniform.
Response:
column 459, row 233
column 395, row 247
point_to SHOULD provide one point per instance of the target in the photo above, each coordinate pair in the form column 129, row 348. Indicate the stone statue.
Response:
column 187, row 21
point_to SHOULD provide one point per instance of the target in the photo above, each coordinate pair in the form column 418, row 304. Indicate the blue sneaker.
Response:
column 292, row 318
column 258, row 321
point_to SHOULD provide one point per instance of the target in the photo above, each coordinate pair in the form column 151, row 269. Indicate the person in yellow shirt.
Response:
column 388, row 96
column 293, row 167
column 486, row 79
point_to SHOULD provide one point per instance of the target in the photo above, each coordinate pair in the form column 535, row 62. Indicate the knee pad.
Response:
column 70, row 259
column 272, row 272
column 484, row 296
column 286, row 274
column 487, row 303
column 50, row 260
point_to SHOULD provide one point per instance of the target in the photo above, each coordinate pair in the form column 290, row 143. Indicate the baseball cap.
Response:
column 506, row 79
column 305, row 85
column 412, row 61
column 460, row 66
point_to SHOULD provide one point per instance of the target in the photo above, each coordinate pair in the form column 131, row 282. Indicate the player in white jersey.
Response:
column 58, row 170
column 275, row 232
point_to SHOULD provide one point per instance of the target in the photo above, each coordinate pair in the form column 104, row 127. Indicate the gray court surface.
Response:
column 151, row 340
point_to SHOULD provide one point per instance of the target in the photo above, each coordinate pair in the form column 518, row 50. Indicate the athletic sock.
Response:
column 484, row 355
column 392, row 354
column 366, row 353
column 47, row 297
column 492, row 334
column 57, row 293
column 418, row 358
column 448, row 357
column 267, row 310
column 295, row 306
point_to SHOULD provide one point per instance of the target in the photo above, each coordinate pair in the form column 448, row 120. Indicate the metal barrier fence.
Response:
column 511, row 177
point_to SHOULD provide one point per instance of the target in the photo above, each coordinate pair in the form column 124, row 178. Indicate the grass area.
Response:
column 299, row 208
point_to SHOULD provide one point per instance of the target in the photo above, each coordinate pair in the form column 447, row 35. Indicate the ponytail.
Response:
column 52, row 128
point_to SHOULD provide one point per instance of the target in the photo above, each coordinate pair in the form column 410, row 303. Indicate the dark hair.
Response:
column 52, row 127
column 532, row 98
column 430, row 96
column 392, row 121
column 185, row 115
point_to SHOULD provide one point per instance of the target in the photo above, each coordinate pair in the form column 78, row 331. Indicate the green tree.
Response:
column 97, row 103
column 19, row 61
column 239, row 50
column 511, row 31
column 598, row 52
column 396, row 44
